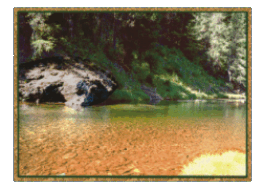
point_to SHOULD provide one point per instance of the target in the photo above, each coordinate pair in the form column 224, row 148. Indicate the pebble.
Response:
column 69, row 155
column 73, row 167
column 86, row 154
column 59, row 170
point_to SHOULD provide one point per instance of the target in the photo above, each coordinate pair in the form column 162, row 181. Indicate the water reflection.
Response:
column 168, row 133
column 198, row 113
column 50, row 118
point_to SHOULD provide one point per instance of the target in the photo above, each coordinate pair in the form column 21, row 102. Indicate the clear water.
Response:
column 202, row 115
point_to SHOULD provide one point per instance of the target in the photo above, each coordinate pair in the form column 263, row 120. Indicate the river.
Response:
column 126, row 139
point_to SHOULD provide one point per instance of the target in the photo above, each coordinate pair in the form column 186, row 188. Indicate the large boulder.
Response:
column 73, row 83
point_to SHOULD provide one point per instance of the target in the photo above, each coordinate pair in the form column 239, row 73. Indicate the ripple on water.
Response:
column 125, row 139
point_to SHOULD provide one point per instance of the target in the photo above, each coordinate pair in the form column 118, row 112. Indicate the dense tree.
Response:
column 214, row 40
column 237, row 49
column 222, row 40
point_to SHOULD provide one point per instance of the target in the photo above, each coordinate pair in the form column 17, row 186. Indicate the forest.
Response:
column 182, row 55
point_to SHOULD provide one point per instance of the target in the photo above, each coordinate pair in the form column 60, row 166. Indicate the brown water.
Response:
column 126, row 139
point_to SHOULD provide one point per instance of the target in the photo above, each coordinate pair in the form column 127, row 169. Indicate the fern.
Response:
column 41, row 45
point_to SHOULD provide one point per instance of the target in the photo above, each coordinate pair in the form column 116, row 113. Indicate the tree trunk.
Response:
column 114, row 33
column 229, row 73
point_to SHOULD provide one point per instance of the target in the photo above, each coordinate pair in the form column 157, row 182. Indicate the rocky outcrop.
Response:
column 153, row 95
column 53, row 81
column 94, row 91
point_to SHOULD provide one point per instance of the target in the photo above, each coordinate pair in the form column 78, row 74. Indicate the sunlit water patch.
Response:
column 229, row 163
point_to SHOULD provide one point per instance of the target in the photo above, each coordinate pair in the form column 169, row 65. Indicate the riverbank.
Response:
column 236, row 101
column 55, row 80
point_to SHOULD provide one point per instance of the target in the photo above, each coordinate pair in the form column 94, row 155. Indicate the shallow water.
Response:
column 126, row 139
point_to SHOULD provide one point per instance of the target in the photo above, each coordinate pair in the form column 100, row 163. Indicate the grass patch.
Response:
column 221, row 95
column 168, row 89
column 123, row 95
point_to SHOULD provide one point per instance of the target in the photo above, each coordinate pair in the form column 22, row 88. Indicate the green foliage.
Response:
column 78, row 48
column 140, row 96
column 171, row 51
column 41, row 45
column 122, row 95
column 120, row 76
column 221, row 95
column 168, row 89
column 222, row 39
column 43, row 37
column 141, row 71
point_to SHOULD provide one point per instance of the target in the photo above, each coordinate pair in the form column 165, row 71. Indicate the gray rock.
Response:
column 152, row 93
column 34, row 74
column 54, row 73
column 51, row 83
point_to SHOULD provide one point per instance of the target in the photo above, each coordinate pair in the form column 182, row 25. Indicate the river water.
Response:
column 126, row 139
